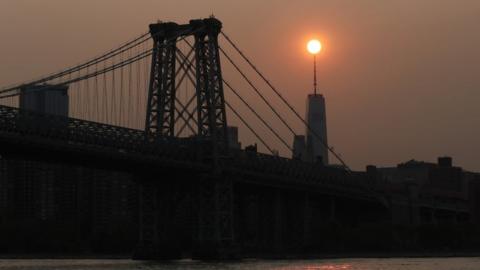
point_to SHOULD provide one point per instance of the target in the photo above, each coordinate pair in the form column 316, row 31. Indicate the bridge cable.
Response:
column 285, row 101
column 105, row 99
column 138, row 88
column 130, row 100
column 258, row 92
column 186, row 73
column 258, row 116
column 255, row 89
column 187, row 69
column 245, row 103
column 87, row 76
column 97, row 106
column 114, row 99
column 3, row 91
column 96, row 60
column 121, row 110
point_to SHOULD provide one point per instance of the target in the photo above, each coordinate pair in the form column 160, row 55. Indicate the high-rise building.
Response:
column 299, row 148
column 232, row 133
column 317, row 150
column 45, row 99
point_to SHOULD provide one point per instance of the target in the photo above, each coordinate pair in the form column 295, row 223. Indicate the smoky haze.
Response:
column 401, row 78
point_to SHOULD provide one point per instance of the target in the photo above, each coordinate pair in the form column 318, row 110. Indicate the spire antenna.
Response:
column 315, row 74
column 314, row 46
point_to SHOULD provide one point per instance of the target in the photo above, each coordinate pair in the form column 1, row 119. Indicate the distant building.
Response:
column 317, row 150
column 232, row 134
column 45, row 99
column 41, row 190
column 299, row 148
column 426, row 183
column 441, row 177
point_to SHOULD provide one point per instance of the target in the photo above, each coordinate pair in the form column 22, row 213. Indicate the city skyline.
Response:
column 154, row 132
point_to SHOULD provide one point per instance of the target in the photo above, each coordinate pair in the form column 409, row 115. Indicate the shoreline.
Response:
column 248, row 257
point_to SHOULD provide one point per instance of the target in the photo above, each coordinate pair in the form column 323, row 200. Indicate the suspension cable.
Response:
column 89, row 63
column 258, row 116
column 113, row 67
column 90, row 75
column 257, row 91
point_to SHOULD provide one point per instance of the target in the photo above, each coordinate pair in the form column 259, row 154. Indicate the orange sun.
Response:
column 314, row 46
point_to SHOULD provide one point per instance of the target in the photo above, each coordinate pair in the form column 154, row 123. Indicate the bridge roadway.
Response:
column 70, row 139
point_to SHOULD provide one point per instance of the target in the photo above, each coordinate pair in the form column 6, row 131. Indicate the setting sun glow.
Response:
column 314, row 46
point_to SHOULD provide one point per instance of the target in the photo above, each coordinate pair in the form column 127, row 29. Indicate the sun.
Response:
column 314, row 46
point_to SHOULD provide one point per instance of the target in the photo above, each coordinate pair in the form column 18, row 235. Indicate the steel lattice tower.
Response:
column 211, row 121
column 161, row 96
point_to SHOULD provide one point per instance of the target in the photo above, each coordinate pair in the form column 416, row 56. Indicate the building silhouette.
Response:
column 316, row 135
column 313, row 147
column 299, row 148
column 232, row 134
column 434, row 183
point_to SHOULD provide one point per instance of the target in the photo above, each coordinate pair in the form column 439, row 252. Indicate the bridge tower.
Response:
column 160, row 120
column 210, row 120
column 212, row 193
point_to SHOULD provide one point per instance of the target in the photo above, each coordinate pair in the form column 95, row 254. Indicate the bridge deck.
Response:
column 81, row 136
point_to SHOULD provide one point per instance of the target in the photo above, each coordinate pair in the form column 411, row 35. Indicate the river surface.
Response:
column 328, row 264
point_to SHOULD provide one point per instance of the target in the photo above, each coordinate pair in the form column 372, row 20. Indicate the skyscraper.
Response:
column 317, row 150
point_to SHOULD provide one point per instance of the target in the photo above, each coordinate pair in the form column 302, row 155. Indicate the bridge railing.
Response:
column 95, row 135
column 300, row 171
column 86, row 134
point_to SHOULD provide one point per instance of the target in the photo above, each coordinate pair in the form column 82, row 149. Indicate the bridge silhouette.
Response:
column 156, row 107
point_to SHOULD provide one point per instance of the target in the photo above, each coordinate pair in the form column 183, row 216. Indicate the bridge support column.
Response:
column 159, row 236
column 215, row 235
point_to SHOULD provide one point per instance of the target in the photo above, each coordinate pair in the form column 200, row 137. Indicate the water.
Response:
column 337, row 264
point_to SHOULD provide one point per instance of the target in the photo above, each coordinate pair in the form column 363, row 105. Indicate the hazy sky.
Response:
column 401, row 77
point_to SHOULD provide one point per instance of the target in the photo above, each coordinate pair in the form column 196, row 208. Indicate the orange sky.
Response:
column 401, row 78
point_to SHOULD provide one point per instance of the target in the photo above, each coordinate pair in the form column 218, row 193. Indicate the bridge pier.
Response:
column 166, row 223
column 214, row 237
column 148, row 246
column 158, row 238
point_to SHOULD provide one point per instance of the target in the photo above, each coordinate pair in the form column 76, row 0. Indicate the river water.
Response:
column 330, row 264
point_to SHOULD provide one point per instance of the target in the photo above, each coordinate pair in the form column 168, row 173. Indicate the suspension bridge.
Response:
column 157, row 107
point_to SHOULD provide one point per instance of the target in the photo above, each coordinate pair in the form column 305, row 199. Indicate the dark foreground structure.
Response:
column 62, row 208
column 77, row 186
